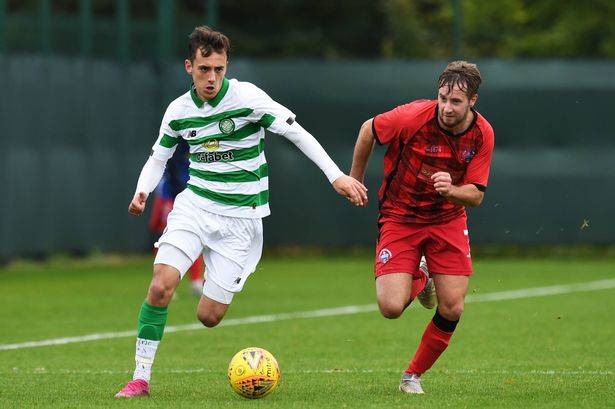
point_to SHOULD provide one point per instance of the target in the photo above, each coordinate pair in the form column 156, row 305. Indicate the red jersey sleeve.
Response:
column 478, row 169
column 404, row 119
column 388, row 126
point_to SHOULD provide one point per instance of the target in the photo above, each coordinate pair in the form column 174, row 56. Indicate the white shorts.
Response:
column 231, row 246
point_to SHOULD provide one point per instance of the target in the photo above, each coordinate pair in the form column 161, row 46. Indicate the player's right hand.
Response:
column 137, row 205
column 352, row 189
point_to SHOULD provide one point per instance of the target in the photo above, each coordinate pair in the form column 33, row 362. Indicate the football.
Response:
column 253, row 373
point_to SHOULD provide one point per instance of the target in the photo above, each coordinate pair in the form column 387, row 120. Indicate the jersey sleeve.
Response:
column 167, row 140
column 402, row 121
column 268, row 113
column 388, row 126
column 477, row 172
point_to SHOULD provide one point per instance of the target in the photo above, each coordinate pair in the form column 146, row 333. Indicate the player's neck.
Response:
column 462, row 126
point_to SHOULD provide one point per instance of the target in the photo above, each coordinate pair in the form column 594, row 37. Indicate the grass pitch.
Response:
column 534, row 351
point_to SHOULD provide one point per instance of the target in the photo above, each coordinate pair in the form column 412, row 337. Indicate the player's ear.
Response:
column 188, row 66
column 473, row 100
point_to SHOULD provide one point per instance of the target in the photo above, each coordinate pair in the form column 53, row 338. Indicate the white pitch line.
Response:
column 530, row 372
column 327, row 312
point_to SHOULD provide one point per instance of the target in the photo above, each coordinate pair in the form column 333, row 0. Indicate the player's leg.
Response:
column 451, row 290
column 178, row 248
column 394, row 293
column 170, row 265
column 230, row 261
column 197, row 270
column 448, row 255
column 398, row 278
column 427, row 296
column 215, row 299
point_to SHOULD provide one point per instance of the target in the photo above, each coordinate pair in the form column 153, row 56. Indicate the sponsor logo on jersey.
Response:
column 211, row 145
column 385, row 255
column 434, row 149
column 226, row 126
column 209, row 157
column 426, row 172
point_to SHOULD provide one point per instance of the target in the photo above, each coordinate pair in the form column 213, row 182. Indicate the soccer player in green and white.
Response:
column 219, row 213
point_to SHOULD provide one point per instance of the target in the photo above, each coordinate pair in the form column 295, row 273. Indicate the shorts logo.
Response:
column 385, row 255
column 211, row 145
column 226, row 126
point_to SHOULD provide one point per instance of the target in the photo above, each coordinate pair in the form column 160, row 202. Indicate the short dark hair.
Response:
column 463, row 74
column 208, row 41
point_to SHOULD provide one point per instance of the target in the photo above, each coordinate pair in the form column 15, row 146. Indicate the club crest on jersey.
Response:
column 211, row 145
column 468, row 154
column 385, row 255
column 226, row 126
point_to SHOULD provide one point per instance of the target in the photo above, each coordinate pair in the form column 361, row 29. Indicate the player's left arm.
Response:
column 466, row 195
column 280, row 120
column 343, row 184
column 471, row 191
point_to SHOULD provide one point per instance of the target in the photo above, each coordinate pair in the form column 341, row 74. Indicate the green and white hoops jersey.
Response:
column 226, row 135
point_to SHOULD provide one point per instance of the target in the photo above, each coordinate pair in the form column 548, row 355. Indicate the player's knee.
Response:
column 159, row 293
column 209, row 319
column 451, row 311
column 390, row 310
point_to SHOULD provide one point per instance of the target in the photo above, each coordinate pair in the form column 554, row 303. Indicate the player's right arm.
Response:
column 152, row 171
column 362, row 150
column 148, row 180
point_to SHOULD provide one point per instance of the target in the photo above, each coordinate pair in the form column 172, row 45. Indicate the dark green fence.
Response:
column 76, row 133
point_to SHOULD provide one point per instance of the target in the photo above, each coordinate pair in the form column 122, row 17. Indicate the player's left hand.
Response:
column 443, row 183
column 352, row 189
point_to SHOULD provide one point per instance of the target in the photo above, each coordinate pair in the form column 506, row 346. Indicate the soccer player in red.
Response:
column 437, row 163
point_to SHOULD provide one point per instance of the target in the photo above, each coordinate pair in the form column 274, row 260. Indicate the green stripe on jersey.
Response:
column 232, row 199
column 238, row 176
column 266, row 120
column 236, row 135
column 229, row 156
column 201, row 121
column 168, row 141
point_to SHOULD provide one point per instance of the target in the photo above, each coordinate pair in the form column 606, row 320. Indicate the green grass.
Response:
column 552, row 351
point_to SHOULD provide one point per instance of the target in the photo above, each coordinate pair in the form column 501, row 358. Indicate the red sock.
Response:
column 418, row 284
column 434, row 342
column 196, row 269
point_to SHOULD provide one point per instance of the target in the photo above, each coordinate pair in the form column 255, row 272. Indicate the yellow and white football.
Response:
column 253, row 373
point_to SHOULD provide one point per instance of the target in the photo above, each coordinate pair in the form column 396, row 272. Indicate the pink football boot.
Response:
column 133, row 389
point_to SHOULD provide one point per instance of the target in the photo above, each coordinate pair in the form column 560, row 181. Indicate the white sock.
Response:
column 144, row 358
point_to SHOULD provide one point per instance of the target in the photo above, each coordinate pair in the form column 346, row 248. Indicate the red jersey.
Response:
column 418, row 148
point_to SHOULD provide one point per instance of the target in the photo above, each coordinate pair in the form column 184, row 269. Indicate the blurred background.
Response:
column 84, row 84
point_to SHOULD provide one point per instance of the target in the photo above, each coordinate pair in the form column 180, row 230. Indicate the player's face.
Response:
column 207, row 73
column 454, row 106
